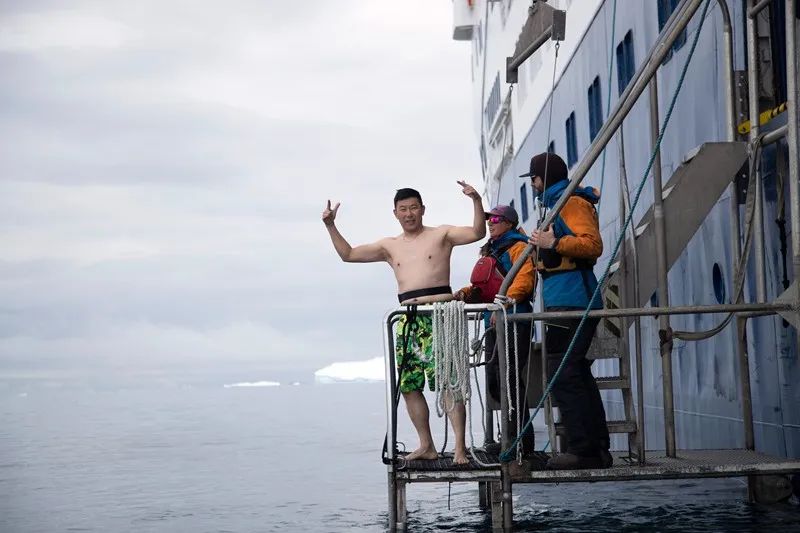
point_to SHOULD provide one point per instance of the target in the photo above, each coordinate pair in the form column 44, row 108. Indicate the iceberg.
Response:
column 252, row 384
column 352, row 371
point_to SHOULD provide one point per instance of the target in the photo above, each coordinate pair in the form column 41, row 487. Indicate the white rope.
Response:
column 518, row 410
column 451, row 352
column 451, row 355
column 513, row 412
column 508, row 366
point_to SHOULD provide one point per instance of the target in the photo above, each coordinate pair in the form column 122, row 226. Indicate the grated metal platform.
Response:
column 443, row 469
column 687, row 464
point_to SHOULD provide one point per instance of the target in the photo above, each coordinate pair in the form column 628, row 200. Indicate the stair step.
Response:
column 614, row 426
column 689, row 196
column 613, row 382
column 595, row 355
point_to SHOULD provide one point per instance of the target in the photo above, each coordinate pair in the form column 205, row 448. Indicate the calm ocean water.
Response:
column 303, row 458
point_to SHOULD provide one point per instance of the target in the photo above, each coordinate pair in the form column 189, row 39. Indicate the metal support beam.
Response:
column 402, row 509
column 631, row 269
column 730, row 126
column 661, row 266
column 728, row 76
column 792, row 125
column 505, row 439
column 758, row 216
column 391, row 380
column 775, row 135
column 756, row 8
column 392, row 482
column 628, row 267
column 746, row 395
column 544, row 23
column 655, row 311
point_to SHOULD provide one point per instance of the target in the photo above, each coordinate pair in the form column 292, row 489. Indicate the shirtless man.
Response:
column 420, row 258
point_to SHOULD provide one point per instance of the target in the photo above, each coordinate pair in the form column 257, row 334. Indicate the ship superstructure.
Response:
column 683, row 114
column 512, row 125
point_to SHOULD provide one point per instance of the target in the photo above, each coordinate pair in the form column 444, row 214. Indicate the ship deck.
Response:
column 686, row 464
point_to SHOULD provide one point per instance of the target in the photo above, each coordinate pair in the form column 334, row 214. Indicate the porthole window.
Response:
column 719, row 283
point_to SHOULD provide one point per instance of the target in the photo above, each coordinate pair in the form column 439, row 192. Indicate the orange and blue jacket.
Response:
column 523, row 284
column 567, row 270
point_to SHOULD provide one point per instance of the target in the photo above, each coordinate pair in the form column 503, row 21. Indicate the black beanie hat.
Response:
column 556, row 168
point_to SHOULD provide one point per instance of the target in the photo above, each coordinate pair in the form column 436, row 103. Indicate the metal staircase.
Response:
column 688, row 197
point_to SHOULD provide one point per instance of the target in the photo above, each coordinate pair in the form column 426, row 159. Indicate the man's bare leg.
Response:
column 458, row 419
column 417, row 408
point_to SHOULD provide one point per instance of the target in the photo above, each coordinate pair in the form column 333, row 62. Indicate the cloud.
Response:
column 61, row 29
column 164, row 168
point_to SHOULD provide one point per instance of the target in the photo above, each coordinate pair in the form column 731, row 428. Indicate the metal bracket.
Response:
column 790, row 296
column 544, row 22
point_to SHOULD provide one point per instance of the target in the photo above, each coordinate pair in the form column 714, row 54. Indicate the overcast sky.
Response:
column 164, row 166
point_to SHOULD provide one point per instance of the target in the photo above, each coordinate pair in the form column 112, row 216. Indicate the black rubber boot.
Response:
column 569, row 461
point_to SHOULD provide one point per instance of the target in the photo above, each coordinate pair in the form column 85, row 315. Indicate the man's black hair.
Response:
column 405, row 194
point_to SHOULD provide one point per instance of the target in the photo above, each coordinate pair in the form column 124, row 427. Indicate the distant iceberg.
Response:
column 252, row 384
column 352, row 371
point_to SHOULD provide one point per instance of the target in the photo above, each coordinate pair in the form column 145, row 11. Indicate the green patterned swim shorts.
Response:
column 418, row 356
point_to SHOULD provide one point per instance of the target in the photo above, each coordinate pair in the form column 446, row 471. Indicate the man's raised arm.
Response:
column 367, row 253
column 466, row 234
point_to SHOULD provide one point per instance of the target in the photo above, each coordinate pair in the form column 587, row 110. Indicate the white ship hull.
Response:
column 708, row 410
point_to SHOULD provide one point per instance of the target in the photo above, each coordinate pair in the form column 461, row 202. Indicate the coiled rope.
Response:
column 451, row 352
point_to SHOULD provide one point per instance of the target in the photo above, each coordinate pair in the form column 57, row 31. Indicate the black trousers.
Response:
column 575, row 391
column 494, row 376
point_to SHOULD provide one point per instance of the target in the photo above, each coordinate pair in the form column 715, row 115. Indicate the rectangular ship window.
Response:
column 625, row 62
column 523, row 200
column 665, row 9
column 595, row 108
column 572, row 141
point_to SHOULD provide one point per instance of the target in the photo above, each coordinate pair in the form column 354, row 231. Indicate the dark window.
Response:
column 719, row 283
column 625, row 62
column 551, row 148
column 595, row 108
column 523, row 200
column 665, row 9
column 572, row 141
column 777, row 32
column 493, row 103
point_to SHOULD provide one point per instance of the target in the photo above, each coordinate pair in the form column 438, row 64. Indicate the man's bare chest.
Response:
column 416, row 252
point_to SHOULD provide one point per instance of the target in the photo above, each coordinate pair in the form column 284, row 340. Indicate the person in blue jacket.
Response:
column 566, row 254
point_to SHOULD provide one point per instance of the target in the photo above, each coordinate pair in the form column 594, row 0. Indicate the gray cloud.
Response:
column 164, row 167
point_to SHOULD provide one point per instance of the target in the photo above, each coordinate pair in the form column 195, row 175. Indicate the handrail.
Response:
column 771, row 308
column 675, row 25
column 757, row 8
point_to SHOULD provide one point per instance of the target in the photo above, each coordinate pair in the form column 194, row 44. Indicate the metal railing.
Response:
column 645, row 77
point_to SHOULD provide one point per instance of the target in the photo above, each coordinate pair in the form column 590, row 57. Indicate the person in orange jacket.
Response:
column 506, row 243
column 566, row 253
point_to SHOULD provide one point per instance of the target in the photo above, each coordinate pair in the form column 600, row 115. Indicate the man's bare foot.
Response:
column 460, row 457
column 422, row 453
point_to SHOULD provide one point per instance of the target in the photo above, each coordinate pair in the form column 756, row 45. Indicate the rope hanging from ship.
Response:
column 542, row 213
column 505, row 455
column 608, row 94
